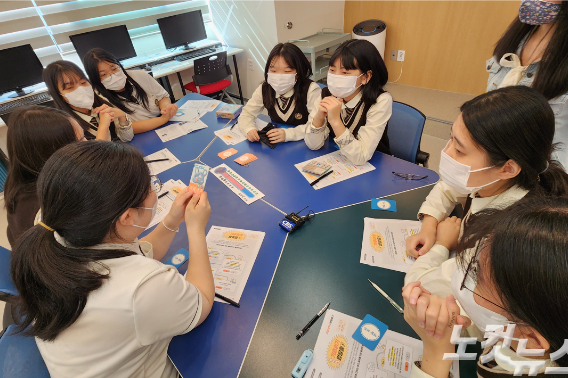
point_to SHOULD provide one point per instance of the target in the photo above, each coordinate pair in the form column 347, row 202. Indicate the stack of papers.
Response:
column 161, row 166
column 188, row 118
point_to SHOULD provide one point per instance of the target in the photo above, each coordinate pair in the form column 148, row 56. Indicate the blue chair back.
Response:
column 405, row 131
column 7, row 287
column 20, row 357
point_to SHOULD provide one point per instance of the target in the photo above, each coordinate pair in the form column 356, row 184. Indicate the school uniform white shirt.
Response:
column 124, row 133
column 155, row 94
column 128, row 323
column 255, row 106
column 434, row 270
column 358, row 149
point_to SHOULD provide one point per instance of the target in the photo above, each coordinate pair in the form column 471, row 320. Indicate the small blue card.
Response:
column 383, row 204
column 179, row 258
column 370, row 332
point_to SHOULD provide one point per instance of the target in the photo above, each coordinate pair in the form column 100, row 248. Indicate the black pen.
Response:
column 311, row 322
column 229, row 301
column 321, row 177
column 155, row 161
column 163, row 194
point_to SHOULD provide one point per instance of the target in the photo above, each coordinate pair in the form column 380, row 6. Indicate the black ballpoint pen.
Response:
column 321, row 177
column 229, row 301
column 311, row 322
column 155, row 161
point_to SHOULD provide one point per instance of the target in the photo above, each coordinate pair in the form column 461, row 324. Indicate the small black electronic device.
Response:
column 264, row 138
column 294, row 221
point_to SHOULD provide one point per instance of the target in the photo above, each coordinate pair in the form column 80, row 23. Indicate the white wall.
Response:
column 250, row 25
column 307, row 17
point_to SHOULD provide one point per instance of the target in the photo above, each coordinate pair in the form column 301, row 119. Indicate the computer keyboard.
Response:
column 10, row 106
column 195, row 54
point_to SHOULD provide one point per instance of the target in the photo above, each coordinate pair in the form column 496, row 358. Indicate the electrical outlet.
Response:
column 393, row 54
column 251, row 65
column 400, row 56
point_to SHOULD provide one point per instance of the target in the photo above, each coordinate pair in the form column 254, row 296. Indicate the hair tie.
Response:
column 46, row 226
column 544, row 168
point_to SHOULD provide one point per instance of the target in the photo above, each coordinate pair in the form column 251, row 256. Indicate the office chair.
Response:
column 405, row 132
column 19, row 356
column 210, row 78
column 7, row 287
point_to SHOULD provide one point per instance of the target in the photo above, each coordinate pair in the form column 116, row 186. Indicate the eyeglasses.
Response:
column 409, row 176
column 156, row 184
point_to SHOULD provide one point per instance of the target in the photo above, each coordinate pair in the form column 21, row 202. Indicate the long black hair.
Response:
column 525, row 257
column 91, row 62
column 54, row 74
column 295, row 59
column 34, row 134
column 517, row 123
column 83, row 189
column 359, row 54
column 552, row 76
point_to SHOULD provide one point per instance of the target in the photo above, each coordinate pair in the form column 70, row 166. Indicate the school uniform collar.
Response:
column 85, row 117
column 353, row 102
column 508, row 197
column 133, row 247
column 288, row 94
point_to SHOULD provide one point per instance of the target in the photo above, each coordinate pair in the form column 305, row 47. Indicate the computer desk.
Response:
column 217, row 347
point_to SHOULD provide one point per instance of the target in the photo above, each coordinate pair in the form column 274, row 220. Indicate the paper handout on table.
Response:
column 161, row 166
column 384, row 243
column 231, row 135
column 342, row 168
column 165, row 202
column 238, row 185
column 338, row 355
column 203, row 106
column 179, row 129
column 187, row 115
column 232, row 253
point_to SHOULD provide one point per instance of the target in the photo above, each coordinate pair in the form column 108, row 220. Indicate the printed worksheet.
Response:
column 186, row 115
column 179, row 129
column 161, row 166
column 165, row 201
column 232, row 253
column 384, row 243
column 231, row 135
column 338, row 355
column 238, row 185
column 342, row 168
column 200, row 106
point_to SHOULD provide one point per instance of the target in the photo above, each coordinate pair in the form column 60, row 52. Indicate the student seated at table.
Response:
column 354, row 109
column 98, row 300
column 34, row 134
column 287, row 94
column 72, row 92
column 516, row 277
column 499, row 152
column 134, row 92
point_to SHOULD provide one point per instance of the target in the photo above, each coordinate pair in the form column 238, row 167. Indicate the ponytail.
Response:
column 516, row 123
column 554, row 179
column 83, row 189
column 54, row 281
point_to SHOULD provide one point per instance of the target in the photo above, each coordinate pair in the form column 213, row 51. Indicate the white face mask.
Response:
column 456, row 174
column 481, row 316
column 281, row 83
column 342, row 86
column 82, row 97
column 154, row 208
column 115, row 82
